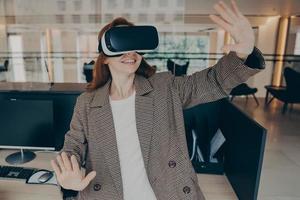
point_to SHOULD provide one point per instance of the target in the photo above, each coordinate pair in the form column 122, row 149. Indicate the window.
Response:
column 111, row 4
column 180, row 3
column 77, row 5
column 181, row 47
column 108, row 17
column 59, row 19
column 76, row 19
column 163, row 3
column 160, row 17
column 61, row 5
column 128, row 4
column 145, row 3
column 142, row 18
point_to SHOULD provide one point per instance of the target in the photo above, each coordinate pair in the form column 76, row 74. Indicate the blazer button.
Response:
column 97, row 187
column 186, row 190
column 172, row 164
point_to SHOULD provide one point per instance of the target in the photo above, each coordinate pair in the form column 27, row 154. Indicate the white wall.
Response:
column 266, row 43
column 18, row 69
column 56, row 42
column 3, row 37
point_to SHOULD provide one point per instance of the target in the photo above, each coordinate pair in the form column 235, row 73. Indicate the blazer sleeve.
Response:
column 75, row 139
column 216, row 82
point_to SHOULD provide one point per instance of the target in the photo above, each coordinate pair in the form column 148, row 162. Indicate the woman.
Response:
column 128, row 130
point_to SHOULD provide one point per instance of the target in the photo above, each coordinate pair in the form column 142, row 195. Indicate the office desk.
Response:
column 214, row 187
column 19, row 190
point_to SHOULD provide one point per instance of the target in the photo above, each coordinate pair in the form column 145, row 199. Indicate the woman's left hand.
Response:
column 238, row 26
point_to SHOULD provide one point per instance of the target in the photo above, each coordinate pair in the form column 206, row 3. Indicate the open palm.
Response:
column 237, row 25
column 68, row 173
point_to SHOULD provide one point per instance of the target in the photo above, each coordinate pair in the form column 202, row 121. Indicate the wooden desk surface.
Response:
column 19, row 190
column 38, row 87
column 214, row 187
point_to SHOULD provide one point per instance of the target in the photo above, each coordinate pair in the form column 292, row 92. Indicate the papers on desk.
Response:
column 34, row 179
column 215, row 144
column 196, row 154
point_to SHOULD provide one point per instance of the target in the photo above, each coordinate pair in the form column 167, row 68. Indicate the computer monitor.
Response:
column 26, row 125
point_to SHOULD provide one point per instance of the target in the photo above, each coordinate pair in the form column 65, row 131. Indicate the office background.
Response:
column 50, row 41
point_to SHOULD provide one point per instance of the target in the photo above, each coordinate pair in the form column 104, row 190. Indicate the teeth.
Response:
column 129, row 61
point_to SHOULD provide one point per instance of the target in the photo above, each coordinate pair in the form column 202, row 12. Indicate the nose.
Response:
column 131, row 53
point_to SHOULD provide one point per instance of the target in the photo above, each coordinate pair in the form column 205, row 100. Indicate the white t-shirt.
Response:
column 135, row 181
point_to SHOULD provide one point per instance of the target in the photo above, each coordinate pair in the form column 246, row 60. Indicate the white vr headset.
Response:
column 123, row 39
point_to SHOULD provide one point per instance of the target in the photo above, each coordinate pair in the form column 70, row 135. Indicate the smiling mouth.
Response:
column 128, row 61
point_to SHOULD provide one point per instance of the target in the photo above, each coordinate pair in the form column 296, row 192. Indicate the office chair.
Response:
column 4, row 67
column 176, row 69
column 88, row 71
column 289, row 94
column 244, row 90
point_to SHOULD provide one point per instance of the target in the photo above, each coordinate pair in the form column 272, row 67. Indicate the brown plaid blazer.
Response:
column 160, row 100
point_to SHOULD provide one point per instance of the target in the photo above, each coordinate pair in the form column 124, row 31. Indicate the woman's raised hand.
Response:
column 238, row 26
column 69, row 174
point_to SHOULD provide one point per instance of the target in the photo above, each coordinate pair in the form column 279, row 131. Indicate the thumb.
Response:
column 87, row 179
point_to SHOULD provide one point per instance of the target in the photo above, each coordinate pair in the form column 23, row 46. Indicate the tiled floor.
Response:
column 280, row 178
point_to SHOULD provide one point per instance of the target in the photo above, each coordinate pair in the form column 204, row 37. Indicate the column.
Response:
column 281, row 41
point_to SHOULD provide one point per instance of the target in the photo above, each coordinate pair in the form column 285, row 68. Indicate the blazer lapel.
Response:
column 144, row 115
column 103, row 126
column 101, row 116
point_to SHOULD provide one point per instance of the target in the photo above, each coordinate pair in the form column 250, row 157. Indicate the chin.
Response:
column 125, row 69
column 130, row 69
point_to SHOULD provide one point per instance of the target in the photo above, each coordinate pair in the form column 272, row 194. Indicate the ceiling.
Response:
column 35, row 14
column 248, row 7
column 201, row 7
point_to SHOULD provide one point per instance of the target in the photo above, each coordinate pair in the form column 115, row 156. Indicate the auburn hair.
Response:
column 101, row 73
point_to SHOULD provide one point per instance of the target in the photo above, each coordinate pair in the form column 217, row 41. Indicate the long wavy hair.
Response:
column 101, row 73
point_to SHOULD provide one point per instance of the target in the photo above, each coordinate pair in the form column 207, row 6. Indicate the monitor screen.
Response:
column 26, row 124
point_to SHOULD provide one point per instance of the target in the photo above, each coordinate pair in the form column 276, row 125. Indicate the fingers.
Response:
column 88, row 179
column 75, row 164
column 55, row 168
column 66, row 161
column 235, row 8
column 221, row 22
column 225, row 12
column 60, row 163
column 229, row 14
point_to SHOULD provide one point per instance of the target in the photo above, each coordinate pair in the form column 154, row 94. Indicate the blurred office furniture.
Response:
column 88, row 71
column 3, row 70
column 244, row 90
column 31, row 133
column 289, row 94
column 63, row 96
column 239, row 158
column 15, row 172
column 4, row 66
column 176, row 69
column 12, row 189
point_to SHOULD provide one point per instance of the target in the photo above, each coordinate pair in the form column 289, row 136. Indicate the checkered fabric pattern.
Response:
column 160, row 100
